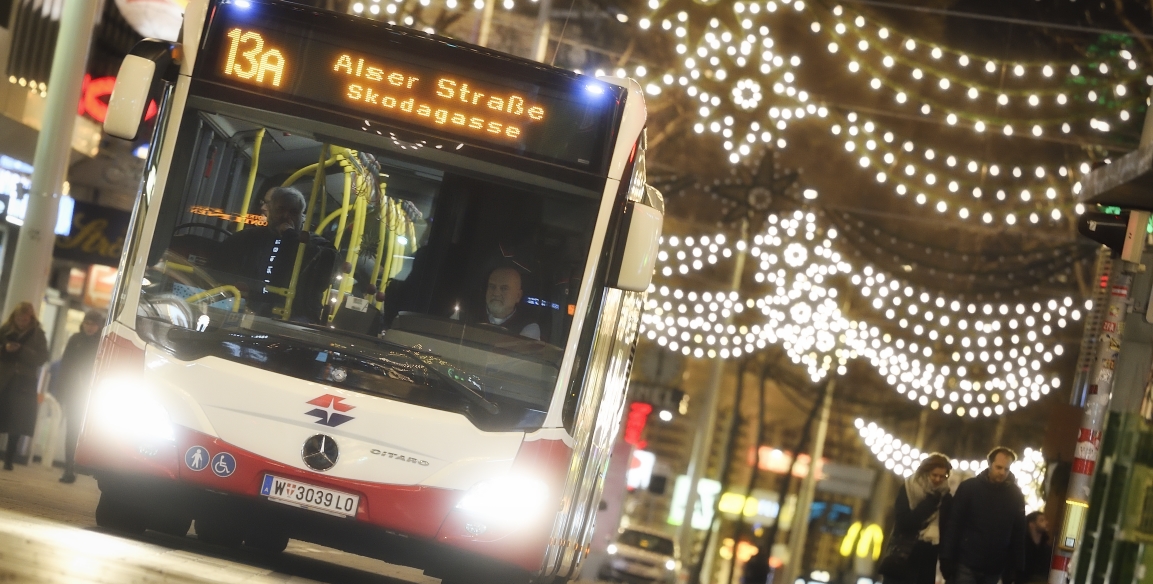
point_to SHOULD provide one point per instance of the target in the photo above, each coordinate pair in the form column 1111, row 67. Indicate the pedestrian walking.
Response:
column 923, row 507
column 985, row 541
column 25, row 350
column 70, row 386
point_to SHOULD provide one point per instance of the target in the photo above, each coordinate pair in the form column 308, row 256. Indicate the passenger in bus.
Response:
column 266, row 254
column 502, row 304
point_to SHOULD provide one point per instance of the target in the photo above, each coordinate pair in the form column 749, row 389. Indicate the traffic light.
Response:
column 1124, row 234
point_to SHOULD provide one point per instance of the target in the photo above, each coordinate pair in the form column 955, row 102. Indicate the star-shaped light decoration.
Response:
column 729, row 66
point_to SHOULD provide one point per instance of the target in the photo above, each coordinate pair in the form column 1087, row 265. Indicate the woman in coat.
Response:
column 922, row 510
column 24, row 350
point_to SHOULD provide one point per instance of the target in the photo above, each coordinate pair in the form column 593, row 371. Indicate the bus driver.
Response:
column 500, row 303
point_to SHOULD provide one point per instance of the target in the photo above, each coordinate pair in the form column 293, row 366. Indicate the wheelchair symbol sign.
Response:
column 223, row 464
column 196, row 458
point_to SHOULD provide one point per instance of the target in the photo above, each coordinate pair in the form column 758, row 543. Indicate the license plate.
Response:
column 308, row 496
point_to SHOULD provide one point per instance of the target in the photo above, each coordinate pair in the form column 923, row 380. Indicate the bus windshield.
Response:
column 366, row 266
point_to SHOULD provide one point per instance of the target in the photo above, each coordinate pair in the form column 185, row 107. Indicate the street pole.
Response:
column 1070, row 537
column 485, row 23
column 799, row 531
column 707, row 416
column 33, row 256
column 922, row 427
column 540, row 40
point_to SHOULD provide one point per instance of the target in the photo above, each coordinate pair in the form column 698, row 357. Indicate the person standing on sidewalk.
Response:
column 24, row 350
column 985, row 541
column 71, row 386
column 922, row 512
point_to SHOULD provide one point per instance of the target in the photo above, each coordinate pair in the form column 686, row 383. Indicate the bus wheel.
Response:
column 115, row 512
column 266, row 541
column 218, row 530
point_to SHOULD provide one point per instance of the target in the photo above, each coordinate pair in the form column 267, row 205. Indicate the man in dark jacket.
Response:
column 985, row 541
column 71, row 385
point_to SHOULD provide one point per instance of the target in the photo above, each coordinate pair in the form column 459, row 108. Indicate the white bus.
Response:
column 380, row 292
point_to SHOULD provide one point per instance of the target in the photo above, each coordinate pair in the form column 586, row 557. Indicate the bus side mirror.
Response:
column 129, row 99
column 140, row 73
column 642, row 236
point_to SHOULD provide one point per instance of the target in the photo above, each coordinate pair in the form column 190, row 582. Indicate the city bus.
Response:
column 380, row 292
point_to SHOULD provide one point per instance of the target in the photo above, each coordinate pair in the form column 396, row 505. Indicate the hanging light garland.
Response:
column 1111, row 87
column 875, row 149
column 988, row 359
column 903, row 459
column 1053, row 265
column 721, row 68
column 1124, row 65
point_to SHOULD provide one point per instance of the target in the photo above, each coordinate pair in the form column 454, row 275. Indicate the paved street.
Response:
column 47, row 534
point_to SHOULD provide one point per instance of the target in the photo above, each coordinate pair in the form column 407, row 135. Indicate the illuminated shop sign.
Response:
column 640, row 471
column 707, row 492
column 415, row 81
column 94, row 96
column 638, row 417
column 14, row 185
column 863, row 541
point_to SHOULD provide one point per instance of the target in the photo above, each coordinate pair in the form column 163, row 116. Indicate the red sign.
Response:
column 94, row 97
column 635, row 423
column 781, row 462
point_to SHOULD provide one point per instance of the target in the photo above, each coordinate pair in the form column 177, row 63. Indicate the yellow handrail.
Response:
column 319, row 165
column 329, row 219
column 380, row 242
column 217, row 290
column 289, row 293
column 164, row 266
column 251, row 180
column 317, row 187
column 346, row 199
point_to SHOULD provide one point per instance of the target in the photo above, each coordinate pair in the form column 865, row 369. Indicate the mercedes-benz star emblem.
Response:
column 320, row 452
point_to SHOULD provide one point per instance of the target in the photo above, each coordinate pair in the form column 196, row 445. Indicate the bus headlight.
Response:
column 511, row 500
column 125, row 406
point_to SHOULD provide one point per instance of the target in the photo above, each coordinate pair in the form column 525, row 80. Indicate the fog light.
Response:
column 475, row 528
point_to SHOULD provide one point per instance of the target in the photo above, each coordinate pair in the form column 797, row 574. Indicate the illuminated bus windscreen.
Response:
column 385, row 74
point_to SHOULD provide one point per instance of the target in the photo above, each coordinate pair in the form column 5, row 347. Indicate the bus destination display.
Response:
column 566, row 126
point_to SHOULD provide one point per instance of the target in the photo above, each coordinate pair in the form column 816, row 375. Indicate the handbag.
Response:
column 894, row 560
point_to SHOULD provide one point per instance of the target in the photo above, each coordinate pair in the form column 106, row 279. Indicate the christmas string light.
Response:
column 1053, row 265
column 794, row 261
column 930, row 51
column 903, row 459
column 854, row 37
column 872, row 149
column 1100, row 81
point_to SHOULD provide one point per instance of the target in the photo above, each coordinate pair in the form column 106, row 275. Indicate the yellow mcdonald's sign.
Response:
column 863, row 540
